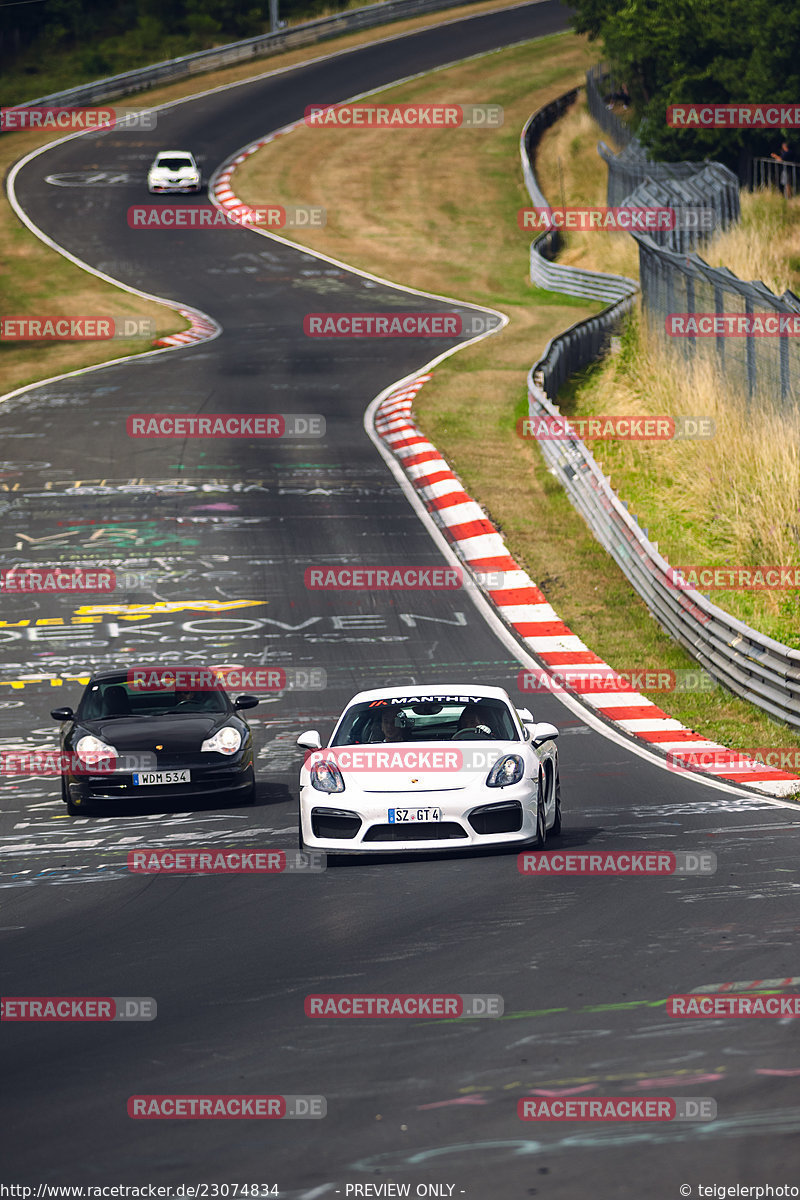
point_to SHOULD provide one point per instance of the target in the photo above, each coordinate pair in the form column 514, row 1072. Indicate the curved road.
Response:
column 584, row 965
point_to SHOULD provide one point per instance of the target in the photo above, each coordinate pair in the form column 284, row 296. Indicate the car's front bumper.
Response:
column 469, row 817
column 209, row 781
column 178, row 189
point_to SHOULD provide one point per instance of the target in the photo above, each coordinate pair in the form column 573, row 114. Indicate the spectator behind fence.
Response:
column 783, row 158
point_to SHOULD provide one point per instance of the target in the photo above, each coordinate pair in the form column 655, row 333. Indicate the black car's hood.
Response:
column 178, row 732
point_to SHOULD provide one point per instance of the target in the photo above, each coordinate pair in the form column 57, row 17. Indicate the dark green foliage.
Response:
column 61, row 43
column 707, row 51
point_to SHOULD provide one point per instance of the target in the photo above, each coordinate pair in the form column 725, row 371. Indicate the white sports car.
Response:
column 430, row 768
column 174, row 171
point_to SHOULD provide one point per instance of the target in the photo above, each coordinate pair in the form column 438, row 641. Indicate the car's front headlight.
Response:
column 225, row 741
column 326, row 777
column 92, row 750
column 505, row 771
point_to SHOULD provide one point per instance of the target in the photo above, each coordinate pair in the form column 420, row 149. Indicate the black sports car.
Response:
column 143, row 734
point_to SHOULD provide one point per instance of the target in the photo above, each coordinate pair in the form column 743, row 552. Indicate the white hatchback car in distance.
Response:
column 174, row 171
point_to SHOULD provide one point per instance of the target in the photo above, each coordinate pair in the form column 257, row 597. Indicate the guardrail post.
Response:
column 750, row 353
column 719, row 308
column 783, row 351
column 690, row 308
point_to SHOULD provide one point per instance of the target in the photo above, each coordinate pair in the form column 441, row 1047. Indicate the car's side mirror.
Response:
column 543, row 732
column 310, row 740
column 246, row 702
column 62, row 714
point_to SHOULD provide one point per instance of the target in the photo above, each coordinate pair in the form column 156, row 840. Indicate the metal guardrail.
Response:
column 751, row 665
column 706, row 195
column 574, row 281
column 631, row 168
column 235, row 52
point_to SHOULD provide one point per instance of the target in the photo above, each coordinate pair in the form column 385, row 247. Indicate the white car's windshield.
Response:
column 447, row 718
column 173, row 164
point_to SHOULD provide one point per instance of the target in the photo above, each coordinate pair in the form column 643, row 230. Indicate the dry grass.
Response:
column 571, row 172
column 732, row 499
column 36, row 281
column 765, row 245
column 424, row 207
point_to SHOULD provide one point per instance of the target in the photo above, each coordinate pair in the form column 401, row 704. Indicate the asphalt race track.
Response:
column 227, row 528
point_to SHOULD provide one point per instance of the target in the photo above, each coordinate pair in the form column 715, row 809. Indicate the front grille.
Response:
column 416, row 831
column 497, row 818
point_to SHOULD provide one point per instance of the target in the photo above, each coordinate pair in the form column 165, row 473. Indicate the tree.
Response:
column 699, row 51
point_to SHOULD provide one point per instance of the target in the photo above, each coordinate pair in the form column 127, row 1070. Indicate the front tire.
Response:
column 72, row 809
column 541, row 817
column 555, row 828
